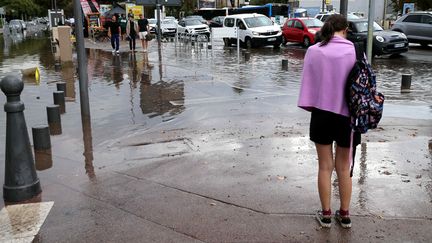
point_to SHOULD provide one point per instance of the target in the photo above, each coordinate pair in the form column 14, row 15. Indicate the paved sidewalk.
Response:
column 218, row 167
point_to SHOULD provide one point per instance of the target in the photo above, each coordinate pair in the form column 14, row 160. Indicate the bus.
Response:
column 270, row 10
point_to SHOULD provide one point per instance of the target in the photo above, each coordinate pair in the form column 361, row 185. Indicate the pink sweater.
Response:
column 324, row 76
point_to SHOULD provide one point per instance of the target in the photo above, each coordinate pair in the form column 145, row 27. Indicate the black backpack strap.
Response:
column 359, row 49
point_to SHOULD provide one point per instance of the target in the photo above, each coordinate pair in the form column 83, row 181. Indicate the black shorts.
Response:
column 326, row 127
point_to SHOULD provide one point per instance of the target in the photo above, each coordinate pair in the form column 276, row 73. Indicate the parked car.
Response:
column 301, row 30
column 417, row 26
column 168, row 27
column 152, row 25
column 23, row 24
column 200, row 18
column 15, row 25
column 216, row 22
column 324, row 16
column 384, row 41
column 255, row 30
column 193, row 26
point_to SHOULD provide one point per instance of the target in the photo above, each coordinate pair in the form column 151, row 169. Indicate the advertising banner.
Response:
column 135, row 10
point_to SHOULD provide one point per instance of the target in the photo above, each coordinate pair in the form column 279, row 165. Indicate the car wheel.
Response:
column 306, row 42
column 284, row 41
column 248, row 43
column 276, row 46
column 226, row 42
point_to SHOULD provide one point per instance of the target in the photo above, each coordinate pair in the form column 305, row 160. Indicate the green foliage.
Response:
column 19, row 8
column 419, row 4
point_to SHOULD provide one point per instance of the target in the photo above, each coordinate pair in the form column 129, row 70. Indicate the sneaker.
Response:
column 113, row 51
column 117, row 51
column 344, row 221
column 323, row 220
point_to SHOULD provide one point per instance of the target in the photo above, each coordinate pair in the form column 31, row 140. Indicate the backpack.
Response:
column 365, row 104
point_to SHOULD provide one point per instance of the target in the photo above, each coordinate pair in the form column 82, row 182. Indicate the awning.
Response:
column 89, row 6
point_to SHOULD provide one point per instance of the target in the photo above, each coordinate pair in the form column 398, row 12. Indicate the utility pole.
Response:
column 323, row 6
column 370, row 30
column 82, row 61
column 344, row 7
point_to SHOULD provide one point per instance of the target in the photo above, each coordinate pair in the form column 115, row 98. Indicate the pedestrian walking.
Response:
column 114, row 32
column 123, row 22
column 143, row 25
column 325, row 72
column 131, row 32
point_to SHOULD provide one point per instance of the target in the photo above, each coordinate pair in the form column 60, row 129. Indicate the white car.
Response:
column 168, row 27
column 255, row 30
column 152, row 25
column 193, row 26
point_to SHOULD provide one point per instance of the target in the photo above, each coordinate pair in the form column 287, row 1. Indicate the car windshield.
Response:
column 363, row 26
column 152, row 21
column 190, row 22
column 258, row 21
column 313, row 23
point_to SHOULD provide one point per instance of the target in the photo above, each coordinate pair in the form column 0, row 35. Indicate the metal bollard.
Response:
column 284, row 64
column 406, row 83
column 21, row 181
column 42, row 147
column 54, row 119
column 57, row 66
column 61, row 86
column 247, row 56
column 59, row 99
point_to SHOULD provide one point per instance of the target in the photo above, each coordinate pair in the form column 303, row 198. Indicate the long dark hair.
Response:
column 334, row 23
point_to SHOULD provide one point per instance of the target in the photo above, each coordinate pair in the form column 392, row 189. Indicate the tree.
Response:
column 420, row 4
column 21, row 8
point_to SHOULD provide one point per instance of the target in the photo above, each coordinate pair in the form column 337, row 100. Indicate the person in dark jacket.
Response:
column 114, row 33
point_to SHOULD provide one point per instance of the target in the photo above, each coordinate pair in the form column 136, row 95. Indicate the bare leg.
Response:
column 145, row 45
column 325, row 161
column 342, row 164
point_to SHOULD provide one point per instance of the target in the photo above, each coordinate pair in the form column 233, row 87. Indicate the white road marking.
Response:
column 22, row 222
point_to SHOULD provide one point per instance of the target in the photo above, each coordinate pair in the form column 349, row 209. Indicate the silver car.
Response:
column 417, row 26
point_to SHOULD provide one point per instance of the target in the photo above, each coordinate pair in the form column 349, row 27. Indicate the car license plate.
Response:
column 399, row 45
column 271, row 39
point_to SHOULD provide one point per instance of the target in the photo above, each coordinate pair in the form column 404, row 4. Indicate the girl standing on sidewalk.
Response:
column 325, row 72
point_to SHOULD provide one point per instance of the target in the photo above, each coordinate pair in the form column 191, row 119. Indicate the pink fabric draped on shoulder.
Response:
column 324, row 76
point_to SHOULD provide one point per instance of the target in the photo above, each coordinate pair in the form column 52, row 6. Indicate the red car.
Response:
column 301, row 30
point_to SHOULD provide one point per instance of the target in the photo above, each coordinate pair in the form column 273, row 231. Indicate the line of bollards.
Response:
column 21, row 181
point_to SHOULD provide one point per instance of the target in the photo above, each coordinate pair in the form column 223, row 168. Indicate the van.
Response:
column 255, row 30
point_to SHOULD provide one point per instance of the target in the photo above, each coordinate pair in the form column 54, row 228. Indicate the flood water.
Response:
column 208, row 101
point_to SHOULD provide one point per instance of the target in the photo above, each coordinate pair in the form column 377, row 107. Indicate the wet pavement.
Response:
column 189, row 144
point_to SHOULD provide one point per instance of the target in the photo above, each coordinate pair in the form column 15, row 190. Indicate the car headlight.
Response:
column 379, row 38
column 255, row 33
column 313, row 32
column 403, row 35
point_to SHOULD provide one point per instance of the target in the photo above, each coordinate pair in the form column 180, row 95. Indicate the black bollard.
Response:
column 21, row 181
column 57, row 66
column 59, row 99
column 406, row 83
column 284, row 64
column 247, row 56
column 54, row 119
column 61, row 86
column 209, row 47
column 42, row 147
